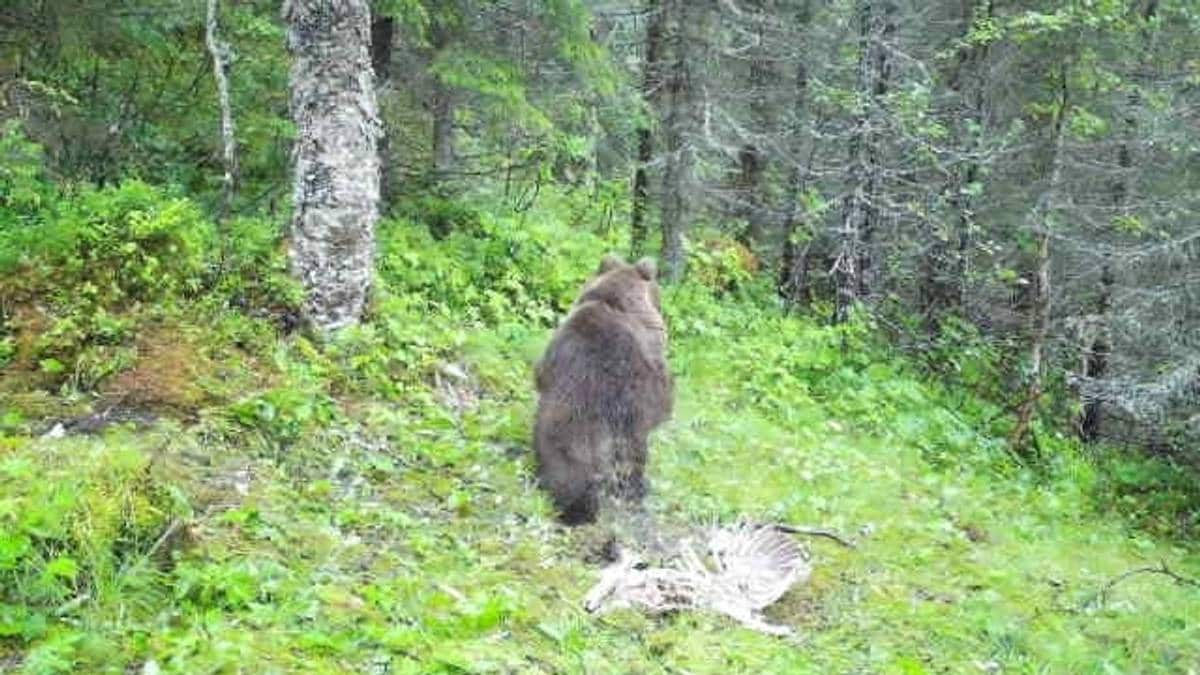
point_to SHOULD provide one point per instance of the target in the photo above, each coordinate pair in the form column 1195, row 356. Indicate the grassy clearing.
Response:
column 360, row 507
column 407, row 538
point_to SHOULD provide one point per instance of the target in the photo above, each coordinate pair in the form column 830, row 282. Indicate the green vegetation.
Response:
column 347, row 507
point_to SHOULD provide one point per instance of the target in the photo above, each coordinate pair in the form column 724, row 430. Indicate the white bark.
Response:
column 1039, row 318
column 221, row 59
column 336, row 194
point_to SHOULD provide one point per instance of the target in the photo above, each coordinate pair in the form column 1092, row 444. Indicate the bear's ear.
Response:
column 610, row 262
column 647, row 268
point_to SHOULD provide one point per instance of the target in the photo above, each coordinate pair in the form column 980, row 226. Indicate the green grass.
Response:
column 400, row 534
column 305, row 508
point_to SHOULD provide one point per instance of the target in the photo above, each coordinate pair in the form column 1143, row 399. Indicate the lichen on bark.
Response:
column 336, row 163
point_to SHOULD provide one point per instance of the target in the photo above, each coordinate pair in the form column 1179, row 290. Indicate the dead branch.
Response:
column 1161, row 568
column 814, row 532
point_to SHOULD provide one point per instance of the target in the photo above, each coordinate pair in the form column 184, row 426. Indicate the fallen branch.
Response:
column 814, row 532
column 167, row 534
column 1160, row 569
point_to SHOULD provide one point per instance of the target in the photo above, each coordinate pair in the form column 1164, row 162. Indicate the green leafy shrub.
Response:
column 1158, row 493
column 254, row 276
column 88, row 273
column 25, row 191
column 118, row 245
column 88, row 260
column 441, row 215
column 283, row 414
column 501, row 270
column 721, row 264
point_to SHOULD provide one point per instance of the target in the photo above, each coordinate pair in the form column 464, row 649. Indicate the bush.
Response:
column 501, row 270
column 88, row 265
column 24, row 193
column 254, row 274
column 721, row 264
column 111, row 246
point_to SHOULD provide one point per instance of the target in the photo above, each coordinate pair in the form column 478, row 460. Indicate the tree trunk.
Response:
column 651, row 84
column 383, row 30
column 752, row 158
column 1039, row 315
column 219, row 51
column 677, row 127
column 794, row 284
column 854, row 267
column 879, row 18
column 442, row 108
column 1099, row 344
column 752, row 161
column 336, row 193
column 845, row 266
column 945, row 264
column 1095, row 363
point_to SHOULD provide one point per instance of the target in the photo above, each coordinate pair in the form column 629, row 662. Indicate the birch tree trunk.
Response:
column 221, row 58
column 336, row 192
column 1039, row 316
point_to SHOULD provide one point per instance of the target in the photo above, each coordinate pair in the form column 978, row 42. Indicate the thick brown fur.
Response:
column 603, row 386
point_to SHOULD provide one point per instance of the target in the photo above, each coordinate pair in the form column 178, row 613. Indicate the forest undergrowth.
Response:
column 188, row 486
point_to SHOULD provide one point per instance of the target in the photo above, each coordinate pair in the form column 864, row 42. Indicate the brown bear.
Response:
column 603, row 385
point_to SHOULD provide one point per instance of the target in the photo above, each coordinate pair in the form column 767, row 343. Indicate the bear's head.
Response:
column 630, row 289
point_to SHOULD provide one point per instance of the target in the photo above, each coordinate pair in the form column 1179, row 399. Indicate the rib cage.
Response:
column 745, row 568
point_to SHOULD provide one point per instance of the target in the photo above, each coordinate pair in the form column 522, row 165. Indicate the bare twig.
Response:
column 164, row 537
column 72, row 604
column 815, row 532
column 1161, row 568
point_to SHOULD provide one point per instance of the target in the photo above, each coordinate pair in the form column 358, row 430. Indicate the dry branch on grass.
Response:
column 1161, row 569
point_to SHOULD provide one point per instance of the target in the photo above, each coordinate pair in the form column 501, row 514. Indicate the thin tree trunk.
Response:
column 753, row 159
column 651, row 84
column 845, row 266
column 383, row 30
column 794, row 284
column 219, row 51
column 677, row 179
column 442, row 108
column 336, row 195
column 946, row 262
column 1095, row 365
column 1095, row 360
column 1039, row 315
column 980, row 57
column 854, row 265
column 881, row 29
